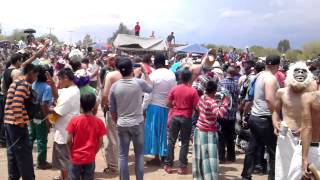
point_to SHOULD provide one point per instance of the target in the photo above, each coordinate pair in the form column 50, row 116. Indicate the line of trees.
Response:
column 310, row 50
column 18, row 35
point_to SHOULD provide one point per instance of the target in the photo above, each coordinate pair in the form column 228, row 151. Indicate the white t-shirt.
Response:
column 162, row 81
column 68, row 105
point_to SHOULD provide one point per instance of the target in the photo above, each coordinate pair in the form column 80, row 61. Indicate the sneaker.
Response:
column 168, row 169
column 44, row 166
column 109, row 170
column 183, row 171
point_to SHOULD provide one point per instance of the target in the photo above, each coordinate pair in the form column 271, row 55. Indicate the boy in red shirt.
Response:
column 182, row 101
column 85, row 134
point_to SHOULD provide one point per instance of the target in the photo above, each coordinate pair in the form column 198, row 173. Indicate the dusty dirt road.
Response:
column 229, row 171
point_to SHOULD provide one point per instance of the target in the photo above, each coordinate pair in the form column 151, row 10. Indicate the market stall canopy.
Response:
column 192, row 48
column 137, row 43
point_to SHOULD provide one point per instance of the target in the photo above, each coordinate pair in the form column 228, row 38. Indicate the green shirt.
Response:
column 87, row 89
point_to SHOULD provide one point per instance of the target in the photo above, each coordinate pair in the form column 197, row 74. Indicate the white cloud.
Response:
column 278, row 3
column 229, row 13
column 268, row 16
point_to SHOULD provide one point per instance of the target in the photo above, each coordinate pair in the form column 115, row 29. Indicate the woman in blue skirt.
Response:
column 163, row 80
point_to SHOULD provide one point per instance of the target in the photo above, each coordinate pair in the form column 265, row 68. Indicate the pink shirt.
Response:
column 209, row 111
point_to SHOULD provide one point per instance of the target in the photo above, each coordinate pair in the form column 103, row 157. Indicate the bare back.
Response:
column 315, row 115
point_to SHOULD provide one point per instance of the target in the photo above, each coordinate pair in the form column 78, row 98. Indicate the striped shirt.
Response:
column 15, row 111
column 209, row 111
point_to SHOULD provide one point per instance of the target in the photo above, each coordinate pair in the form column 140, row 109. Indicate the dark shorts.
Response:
column 60, row 156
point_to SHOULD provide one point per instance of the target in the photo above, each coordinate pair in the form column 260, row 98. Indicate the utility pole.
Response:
column 50, row 28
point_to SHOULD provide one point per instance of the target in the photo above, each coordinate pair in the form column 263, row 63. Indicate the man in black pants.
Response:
column 227, row 133
column 19, row 152
column 260, row 122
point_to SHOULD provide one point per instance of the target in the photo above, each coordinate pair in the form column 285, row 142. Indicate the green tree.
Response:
column 16, row 36
column 211, row 46
column 294, row 55
column 2, row 37
column 122, row 29
column 53, row 37
column 87, row 41
column 258, row 51
column 284, row 46
column 311, row 49
column 79, row 43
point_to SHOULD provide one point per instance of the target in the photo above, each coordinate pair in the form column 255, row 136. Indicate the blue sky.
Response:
column 230, row 22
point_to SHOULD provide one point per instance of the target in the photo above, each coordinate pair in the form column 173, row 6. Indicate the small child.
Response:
column 85, row 134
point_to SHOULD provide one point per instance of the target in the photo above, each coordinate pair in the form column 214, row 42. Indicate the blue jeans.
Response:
column 84, row 171
column 136, row 134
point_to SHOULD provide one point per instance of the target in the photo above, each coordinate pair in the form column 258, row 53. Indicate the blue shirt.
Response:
column 233, row 88
column 44, row 92
column 175, row 66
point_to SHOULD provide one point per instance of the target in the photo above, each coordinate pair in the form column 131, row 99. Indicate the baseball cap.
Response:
column 273, row 60
column 124, row 65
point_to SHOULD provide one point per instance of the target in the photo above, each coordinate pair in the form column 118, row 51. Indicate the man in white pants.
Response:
column 288, row 102
column 308, row 149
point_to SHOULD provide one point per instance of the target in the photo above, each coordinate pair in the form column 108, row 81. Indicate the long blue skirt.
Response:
column 155, row 134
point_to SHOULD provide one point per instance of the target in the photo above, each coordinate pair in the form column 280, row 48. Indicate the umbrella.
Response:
column 29, row 30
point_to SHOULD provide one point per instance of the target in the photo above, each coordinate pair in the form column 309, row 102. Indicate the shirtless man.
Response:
column 308, row 150
column 111, row 149
column 288, row 101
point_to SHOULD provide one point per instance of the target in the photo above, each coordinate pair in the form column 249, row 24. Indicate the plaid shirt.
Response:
column 201, row 82
column 233, row 88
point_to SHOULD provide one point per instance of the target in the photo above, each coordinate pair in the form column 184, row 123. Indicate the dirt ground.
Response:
column 229, row 171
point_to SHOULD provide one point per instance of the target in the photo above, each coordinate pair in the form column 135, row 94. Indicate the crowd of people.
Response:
column 154, row 104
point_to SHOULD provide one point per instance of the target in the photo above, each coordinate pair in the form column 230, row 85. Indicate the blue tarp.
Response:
column 192, row 48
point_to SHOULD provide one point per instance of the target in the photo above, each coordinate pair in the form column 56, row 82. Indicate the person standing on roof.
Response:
column 171, row 40
column 137, row 29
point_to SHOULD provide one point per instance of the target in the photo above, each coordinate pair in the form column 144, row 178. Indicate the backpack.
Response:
column 244, row 87
column 33, row 105
column 251, row 88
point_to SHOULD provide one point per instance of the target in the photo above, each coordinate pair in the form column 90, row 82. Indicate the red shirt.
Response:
column 281, row 78
column 184, row 98
column 137, row 28
column 148, row 68
column 86, row 131
column 209, row 111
